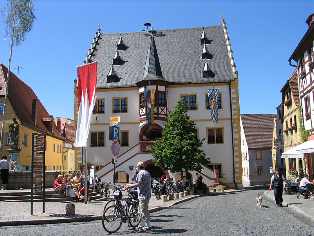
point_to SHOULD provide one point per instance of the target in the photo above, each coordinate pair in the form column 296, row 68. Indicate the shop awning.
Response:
column 306, row 147
column 292, row 153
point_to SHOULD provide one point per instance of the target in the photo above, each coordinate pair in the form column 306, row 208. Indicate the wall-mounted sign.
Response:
column 114, row 132
column 114, row 120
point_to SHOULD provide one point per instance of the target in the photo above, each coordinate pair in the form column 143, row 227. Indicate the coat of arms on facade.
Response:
column 213, row 104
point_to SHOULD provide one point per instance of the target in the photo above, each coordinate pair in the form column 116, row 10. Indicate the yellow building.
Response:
column 69, row 163
column 292, row 124
column 24, row 115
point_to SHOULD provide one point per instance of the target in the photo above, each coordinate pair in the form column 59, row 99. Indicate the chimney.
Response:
column 310, row 20
column 48, row 121
column 59, row 125
column 34, row 112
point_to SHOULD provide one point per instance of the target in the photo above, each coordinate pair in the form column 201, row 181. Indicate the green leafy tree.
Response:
column 19, row 18
column 179, row 147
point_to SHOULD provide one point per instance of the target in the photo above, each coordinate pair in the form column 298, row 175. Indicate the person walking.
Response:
column 143, row 183
column 276, row 183
column 4, row 171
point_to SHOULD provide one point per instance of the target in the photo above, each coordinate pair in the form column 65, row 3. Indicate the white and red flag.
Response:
column 87, row 78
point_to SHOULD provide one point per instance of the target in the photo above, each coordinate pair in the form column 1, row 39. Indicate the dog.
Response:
column 259, row 200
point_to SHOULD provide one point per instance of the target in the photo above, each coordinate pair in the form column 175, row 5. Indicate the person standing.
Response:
column 276, row 183
column 4, row 171
column 143, row 183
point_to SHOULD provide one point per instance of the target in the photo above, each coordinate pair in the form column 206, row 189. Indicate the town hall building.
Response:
column 141, row 77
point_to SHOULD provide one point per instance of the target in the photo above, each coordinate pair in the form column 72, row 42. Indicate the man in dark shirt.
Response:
column 276, row 183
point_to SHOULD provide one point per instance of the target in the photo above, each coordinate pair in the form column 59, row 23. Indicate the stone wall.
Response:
column 23, row 180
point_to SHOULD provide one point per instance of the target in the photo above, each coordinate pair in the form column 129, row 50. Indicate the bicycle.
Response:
column 124, row 210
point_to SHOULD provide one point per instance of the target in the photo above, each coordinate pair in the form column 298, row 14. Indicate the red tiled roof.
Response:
column 21, row 97
column 258, row 129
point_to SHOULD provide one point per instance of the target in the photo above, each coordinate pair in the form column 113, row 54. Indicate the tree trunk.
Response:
column 6, row 81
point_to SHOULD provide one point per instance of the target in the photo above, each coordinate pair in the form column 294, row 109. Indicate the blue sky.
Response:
column 263, row 35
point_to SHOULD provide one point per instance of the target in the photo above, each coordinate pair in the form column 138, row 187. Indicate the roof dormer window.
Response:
column 204, row 39
column 121, row 45
column 112, row 76
column 207, row 72
column 117, row 60
column 206, row 54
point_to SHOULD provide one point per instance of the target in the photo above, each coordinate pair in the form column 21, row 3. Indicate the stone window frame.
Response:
column 217, row 140
column 99, row 106
column 95, row 139
column 189, row 106
column 122, row 104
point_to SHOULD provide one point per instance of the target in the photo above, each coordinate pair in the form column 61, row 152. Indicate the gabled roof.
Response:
column 291, row 86
column 179, row 55
column 152, row 70
column 258, row 129
column 21, row 97
column 304, row 44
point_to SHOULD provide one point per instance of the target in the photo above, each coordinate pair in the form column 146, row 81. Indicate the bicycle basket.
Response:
column 117, row 194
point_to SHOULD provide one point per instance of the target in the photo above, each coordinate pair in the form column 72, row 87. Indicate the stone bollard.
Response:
column 181, row 194
column 170, row 197
column 220, row 188
column 176, row 196
column 70, row 209
column 185, row 193
column 164, row 198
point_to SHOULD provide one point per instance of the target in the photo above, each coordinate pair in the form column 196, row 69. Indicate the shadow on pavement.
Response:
column 65, row 216
column 180, row 208
column 156, row 230
column 160, row 220
column 295, row 203
column 165, row 216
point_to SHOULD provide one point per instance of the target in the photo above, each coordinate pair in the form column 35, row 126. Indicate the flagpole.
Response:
column 86, row 190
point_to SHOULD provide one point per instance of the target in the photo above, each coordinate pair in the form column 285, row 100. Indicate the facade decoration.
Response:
column 213, row 104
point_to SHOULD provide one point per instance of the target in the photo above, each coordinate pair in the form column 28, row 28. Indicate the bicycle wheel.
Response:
column 112, row 219
column 134, row 216
column 110, row 202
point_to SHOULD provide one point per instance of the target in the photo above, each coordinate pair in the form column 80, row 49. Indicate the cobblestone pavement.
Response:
column 229, row 214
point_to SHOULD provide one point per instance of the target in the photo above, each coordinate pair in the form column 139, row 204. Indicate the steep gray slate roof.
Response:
column 258, row 129
column 179, row 53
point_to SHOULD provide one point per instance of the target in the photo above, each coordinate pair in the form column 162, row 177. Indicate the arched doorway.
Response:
column 150, row 132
